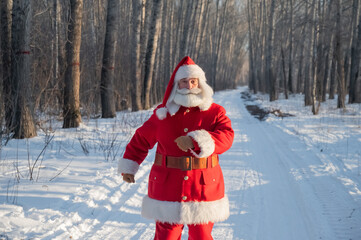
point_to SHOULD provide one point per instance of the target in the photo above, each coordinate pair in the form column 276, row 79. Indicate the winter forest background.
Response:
column 64, row 60
column 78, row 77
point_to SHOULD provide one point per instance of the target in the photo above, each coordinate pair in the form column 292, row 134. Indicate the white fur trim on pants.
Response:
column 205, row 142
column 127, row 166
column 185, row 212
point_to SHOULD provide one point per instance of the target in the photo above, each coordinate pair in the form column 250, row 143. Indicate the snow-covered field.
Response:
column 293, row 178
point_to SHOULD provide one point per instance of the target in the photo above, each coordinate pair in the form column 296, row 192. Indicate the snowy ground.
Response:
column 292, row 178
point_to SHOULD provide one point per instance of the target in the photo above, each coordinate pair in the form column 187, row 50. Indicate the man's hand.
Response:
column 129, row 178
column 184, row 143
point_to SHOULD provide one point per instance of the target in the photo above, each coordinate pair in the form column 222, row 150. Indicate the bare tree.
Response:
column 290, row 54
column 6, row 10
column 154, row 32
column 357, row 80
column 22, row 122
column 71, row 108
column 107, row 77
column 355, row 54
column 252, row 70
column 269, row 71
column 149, row 40
column 309, row 59
column 341, row 89
column 135, row 72
column 183, row 48
column 318, row 64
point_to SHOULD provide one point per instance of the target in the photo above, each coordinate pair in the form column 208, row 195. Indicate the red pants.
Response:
column 166, row 231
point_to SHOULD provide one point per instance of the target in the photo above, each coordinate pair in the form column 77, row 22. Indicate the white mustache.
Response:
column 185, row 91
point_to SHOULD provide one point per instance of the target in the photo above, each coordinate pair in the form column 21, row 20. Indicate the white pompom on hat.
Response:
column 186, row 68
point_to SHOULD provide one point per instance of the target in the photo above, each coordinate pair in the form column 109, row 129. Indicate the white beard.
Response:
column 189, row 97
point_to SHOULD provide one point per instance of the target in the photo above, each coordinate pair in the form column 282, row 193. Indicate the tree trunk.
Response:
column 6, row 11
column 327, row 46
column 309, row 58
column 23, row 123
column 285, row 87
column 355, row 53
column 154, row 32
column 219, row 43
column 333, row 72
column 203, row 28
column 136, row 90
column 166, row 43
column 252, row 71
column 341, row 91
column 262, row 45
column 357, row 81
column 269, row 73
column 107, row 76
column 301, row 63
column 200, row 28
column 186, row 21
column 290, row 61
column 71, row 111
column 60, row 53
column 317, row 61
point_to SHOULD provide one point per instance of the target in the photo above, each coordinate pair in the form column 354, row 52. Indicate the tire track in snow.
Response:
column 297, row 202
column 340, row 216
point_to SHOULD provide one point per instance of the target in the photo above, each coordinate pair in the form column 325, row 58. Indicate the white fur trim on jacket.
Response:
column 185, row 212
column 127, row 166
column 205, row 142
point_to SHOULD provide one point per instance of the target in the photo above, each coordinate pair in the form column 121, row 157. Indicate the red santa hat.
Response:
column 186, row 68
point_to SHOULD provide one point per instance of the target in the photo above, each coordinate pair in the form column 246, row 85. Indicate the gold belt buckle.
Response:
column 187, row 163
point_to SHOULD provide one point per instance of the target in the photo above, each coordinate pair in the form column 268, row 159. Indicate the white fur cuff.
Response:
column 127, row 166
column 186, row 212
column 205, row 142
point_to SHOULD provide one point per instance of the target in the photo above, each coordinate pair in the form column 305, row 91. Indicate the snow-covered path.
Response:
column 280, row 187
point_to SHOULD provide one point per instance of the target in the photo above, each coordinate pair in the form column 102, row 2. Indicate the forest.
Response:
column 64, row 60
column 309, row 47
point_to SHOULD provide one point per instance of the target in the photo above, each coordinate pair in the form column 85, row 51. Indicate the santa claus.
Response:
column 186, row 184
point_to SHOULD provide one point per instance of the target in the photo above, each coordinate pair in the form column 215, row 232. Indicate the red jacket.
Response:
column 176, row 196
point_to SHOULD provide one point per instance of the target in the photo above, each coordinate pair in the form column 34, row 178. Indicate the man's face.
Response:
column 188, row 83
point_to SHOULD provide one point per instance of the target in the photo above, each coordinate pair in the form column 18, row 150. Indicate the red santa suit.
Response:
column 186, row 195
